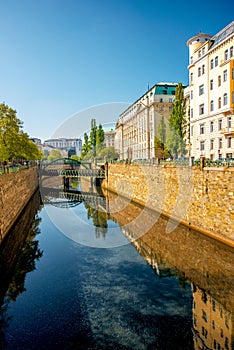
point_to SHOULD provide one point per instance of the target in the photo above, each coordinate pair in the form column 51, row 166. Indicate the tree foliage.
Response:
column 54, row 154
column 162, row 129
column 94, row 143
column 14, row 143
column 175, row 140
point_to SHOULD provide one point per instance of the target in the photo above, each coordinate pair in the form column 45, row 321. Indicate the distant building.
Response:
column 36, row 140
column 136, row 128
column 72, row 146
column 109, row 135
column 211, row 89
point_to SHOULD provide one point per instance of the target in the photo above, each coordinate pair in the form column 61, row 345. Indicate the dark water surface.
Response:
column 89, row 288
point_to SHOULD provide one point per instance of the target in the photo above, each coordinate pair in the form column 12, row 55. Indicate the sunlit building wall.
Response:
column 136, row 127
column 211, row 85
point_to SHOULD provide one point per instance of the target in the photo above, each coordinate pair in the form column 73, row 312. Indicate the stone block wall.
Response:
column 201, row 199
column 16, row 189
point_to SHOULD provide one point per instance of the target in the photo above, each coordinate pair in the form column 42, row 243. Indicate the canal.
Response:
column 100, row 272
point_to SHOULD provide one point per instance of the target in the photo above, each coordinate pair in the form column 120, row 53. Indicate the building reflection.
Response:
column 213, row 325
column 194, row 258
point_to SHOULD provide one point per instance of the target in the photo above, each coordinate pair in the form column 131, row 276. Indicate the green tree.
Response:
column 175, row 140
column 54, row 154
column 100, row 136
column 93, row 136
column 86, row 146
column 14, row 143
column 161, row 132
column 108, row 152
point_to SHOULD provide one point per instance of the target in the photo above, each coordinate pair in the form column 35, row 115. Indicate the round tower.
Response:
column 196, row 41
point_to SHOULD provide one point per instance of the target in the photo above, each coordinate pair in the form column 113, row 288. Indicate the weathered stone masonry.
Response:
column 202, row 199
column 16, row 189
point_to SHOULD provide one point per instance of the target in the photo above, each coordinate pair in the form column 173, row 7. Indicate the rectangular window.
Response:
column 199, row 53
column 203, row 69
column 211, row 106
column 191, row 77
column 219, row 102
column 201, row 89
column 191, row 113
column 202, row 129
column 212, row 144
column 202, row 145
column 191, row 94
column 229, row 142
column 220, row 124
column 225, row 75
column 212, row 64
column 231, row 51
column 211, row 126
column 216, row 61
column 225, row 99
column 229, row 122
column 191, row 59
column 203, row 50
column 220, row 143
column 219, row 80
column 201, row 109
column 226, row 55
column 191, row 131
column 211, row 84
column 199, row 71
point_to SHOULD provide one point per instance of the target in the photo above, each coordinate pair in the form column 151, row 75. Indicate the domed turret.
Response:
column 196, row 41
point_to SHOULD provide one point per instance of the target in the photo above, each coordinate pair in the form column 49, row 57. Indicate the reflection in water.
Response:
column 207, row 264
column 18, row 254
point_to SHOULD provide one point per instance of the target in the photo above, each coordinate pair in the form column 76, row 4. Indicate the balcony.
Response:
column 227, row 131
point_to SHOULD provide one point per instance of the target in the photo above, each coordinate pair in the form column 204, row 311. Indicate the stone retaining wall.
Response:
column 16, row 189
column 201, row 199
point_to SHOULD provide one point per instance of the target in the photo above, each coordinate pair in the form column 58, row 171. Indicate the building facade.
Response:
column 65, row 144
column 211, row 89
column 136, row 128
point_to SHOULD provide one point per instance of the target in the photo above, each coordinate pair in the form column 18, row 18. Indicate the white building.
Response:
column 65, row 144
column 211, row 85
column 136, row 128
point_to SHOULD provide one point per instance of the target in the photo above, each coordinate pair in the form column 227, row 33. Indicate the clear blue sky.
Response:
column 59, row 57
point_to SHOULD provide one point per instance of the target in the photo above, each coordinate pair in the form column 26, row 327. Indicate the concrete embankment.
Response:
column 16, row 189
column 202, row 199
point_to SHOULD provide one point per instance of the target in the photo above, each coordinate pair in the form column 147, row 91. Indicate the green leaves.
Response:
column 14, row 143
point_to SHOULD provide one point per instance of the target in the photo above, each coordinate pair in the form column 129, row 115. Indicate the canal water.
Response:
column 76, row 274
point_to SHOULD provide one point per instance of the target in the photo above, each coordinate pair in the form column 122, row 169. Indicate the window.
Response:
column 226, row 55
column 232, row 73
column 229, row 122
column 191, row 77
column 202, row 147
column 160, row 100
column 212, row 64
column 203, row 69
column 219, row 80
column 231, row 51
column 211, row 126
column 191, row 113
column 202, row 129
column 204, row 315
column 201, row 89
column 199, row 71
column 229, row 142
column 199, row 53
column 212, row 144
column 191, row 59
column 225, row 75
column 191, row 94
column 213, row 324
column 219, row 124
column 220, row 143
column 211, row 106
column 216, row 61
column 225, row 99
column 211, row 84
column 219, row 102
column 203, row 50
column 201, row 109
column 191, row 131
